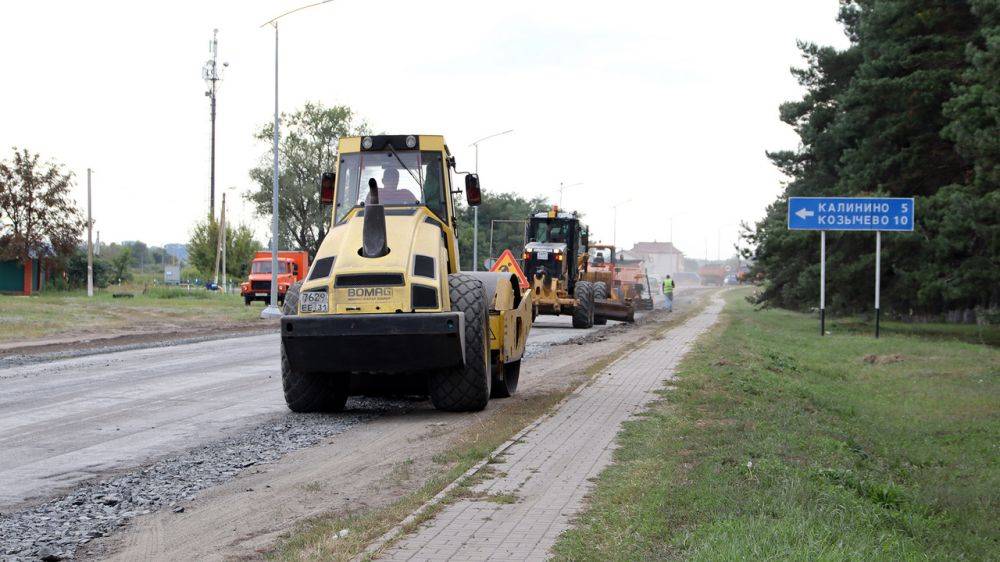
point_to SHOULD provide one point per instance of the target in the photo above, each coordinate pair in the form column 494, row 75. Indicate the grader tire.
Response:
column 466, row 388
column 600, row 293
column 583, row 312
column 309, row 392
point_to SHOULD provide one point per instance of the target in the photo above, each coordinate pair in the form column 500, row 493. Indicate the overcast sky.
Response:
column 663, row 107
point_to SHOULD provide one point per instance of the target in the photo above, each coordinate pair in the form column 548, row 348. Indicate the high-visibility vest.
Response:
column 668, row 285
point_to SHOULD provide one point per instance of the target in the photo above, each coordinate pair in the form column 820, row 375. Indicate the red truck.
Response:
column 292, row 267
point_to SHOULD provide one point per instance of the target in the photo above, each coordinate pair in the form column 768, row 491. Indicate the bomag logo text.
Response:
column 369, row 293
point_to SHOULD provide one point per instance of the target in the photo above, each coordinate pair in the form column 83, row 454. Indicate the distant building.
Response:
column 22, row 277
column 661, row 258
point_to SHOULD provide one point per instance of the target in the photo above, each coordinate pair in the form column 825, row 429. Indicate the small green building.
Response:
column 21, row 277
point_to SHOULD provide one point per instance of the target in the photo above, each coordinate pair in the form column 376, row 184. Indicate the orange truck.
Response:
column 292, row 267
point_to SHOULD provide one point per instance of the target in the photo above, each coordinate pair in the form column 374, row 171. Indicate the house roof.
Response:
column 654, row 248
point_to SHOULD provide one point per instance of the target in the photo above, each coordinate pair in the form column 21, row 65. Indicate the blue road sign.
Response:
column 850, row 213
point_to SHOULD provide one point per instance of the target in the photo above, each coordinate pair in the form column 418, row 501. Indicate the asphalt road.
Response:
column 67, row 421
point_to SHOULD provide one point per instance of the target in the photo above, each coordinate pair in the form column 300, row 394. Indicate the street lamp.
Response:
column 475, row 210
column 272, row 310
column 614, row 224
column 563, row 187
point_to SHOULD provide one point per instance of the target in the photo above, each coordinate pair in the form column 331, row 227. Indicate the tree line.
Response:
column 910, row 109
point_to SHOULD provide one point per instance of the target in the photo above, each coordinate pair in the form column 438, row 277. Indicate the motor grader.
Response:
column 556, row 262
column 615, row 296
column 385, row 309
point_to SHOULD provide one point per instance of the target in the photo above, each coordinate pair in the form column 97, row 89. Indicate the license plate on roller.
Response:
column 542, row 255
column 314, row 302
column 261, row 294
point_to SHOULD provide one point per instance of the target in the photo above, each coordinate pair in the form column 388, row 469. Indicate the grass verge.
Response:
column 66, row 314
column 776, row 443
column 317, row 538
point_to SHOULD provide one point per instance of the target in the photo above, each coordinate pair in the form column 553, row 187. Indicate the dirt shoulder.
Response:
column 368, row 478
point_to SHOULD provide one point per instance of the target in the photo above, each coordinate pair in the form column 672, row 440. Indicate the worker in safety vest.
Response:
column 668, row 292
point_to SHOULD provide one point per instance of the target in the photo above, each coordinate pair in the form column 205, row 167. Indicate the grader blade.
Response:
column 614, row 310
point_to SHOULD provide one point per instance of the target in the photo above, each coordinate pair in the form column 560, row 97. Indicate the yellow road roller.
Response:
column 384, row 308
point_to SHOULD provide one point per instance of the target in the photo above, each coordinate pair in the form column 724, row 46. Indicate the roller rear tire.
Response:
column 466, row 388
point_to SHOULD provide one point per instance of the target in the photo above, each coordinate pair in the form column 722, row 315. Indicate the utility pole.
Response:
column 211, row 74
column 220, row 242
column 90, row 242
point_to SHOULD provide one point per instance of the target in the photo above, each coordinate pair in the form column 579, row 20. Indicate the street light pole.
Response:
column 271, row 310
column 563, row 187
column 614, row 224
column 475, row 210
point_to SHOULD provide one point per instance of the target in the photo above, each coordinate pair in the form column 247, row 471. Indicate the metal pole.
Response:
column 213, row 78
column 218, row 248
column 822, row 283
column 492, row 226
column 878, row 278
column 211, row 206
column 272, row 311
column 222, row 229
column 614, row 228
column 90, row 243
column 475, row 225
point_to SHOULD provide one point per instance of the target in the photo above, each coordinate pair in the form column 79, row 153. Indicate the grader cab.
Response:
column 385, row 309
column 554, row 258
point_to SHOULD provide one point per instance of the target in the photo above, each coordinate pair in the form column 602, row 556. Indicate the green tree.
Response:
column 307, row 149
column 76, row 270
column 502, row 206
column 38, row 218
column 905, row 111
column 240, row 248
column 120, row 265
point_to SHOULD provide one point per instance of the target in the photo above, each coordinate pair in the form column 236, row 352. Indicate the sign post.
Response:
column 890, row 214
column 878, row 276
column 822, row 283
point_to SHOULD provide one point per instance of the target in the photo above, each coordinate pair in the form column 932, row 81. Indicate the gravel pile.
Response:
column 54, row 530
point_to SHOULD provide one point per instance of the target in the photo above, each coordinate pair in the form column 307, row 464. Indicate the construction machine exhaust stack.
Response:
column 373, row 240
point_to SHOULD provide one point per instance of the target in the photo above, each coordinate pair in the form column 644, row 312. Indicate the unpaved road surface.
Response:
column 89, row 444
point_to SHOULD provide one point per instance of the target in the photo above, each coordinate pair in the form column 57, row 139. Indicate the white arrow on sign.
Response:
column 804, row 214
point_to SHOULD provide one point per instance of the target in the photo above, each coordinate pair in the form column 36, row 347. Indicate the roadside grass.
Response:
column 53, row 314
column 776, row 443
column 317, row 538
column 986, row 334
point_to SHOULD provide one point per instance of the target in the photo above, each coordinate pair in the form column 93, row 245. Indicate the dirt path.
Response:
column 367, row 467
